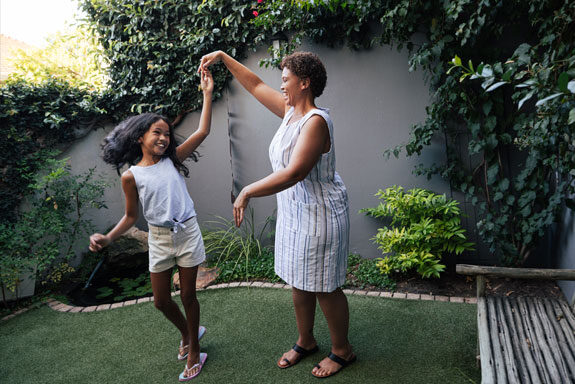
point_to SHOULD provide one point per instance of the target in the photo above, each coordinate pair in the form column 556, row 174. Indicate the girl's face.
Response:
column 292, row 86
column 156, row 139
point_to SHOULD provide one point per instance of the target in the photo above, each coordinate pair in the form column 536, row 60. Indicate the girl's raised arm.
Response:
column 99, row 241
column 184, row 150
column 269, row 97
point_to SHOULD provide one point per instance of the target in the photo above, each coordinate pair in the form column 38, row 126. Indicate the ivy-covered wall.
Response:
column 501, row 73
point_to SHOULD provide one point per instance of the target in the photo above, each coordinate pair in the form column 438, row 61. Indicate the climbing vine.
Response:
column 516, row 164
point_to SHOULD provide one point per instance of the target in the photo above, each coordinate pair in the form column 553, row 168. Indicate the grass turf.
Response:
column 396, row 341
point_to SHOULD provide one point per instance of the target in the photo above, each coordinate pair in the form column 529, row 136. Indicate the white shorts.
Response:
column 168, row 247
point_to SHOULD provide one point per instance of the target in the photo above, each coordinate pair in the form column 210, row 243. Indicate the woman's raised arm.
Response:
column 269, row 97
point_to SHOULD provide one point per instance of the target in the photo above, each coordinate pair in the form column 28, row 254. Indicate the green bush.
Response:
column 424, row 226
column 365, row 272
column 42, row 238
column 36, row 119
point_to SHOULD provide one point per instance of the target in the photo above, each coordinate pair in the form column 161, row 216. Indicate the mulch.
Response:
column 452, row 284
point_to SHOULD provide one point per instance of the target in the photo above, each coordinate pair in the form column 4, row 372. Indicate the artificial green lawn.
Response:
column 396, row 341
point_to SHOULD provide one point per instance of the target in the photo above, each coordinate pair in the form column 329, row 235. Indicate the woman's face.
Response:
column 156, row 140
column 291, row 86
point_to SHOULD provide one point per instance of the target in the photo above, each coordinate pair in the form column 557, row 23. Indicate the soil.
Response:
column 452, row 284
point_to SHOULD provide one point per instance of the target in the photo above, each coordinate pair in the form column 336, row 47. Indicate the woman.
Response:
column 312, row 232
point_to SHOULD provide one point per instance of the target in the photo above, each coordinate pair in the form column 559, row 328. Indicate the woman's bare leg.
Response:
column 304, row 305
column 336, row 311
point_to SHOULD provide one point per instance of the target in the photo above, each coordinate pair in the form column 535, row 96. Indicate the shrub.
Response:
column 423, row 227
column 42, row 239
column 365, row 272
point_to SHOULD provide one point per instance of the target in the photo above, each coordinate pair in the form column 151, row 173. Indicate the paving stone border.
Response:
column 61, row 307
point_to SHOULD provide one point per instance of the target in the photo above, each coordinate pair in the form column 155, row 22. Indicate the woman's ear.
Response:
column 304, row 83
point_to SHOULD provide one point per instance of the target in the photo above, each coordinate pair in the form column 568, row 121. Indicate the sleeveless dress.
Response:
column 312, row 229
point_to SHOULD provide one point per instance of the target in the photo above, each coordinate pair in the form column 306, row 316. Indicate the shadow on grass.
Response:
column 396, row 341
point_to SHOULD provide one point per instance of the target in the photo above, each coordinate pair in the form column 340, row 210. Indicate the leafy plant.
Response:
column 35, row 120
column 424, row 226
column 520, row 205
column 258, row 267
column 42, row 238
column 238, row 251
column 127, row 288
column 365, row 272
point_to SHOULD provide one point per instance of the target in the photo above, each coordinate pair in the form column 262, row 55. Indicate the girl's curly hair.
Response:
column 307, row 65
column 121, row 146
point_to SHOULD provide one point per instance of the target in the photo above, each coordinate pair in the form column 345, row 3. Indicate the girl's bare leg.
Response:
column 162, row 288
column 188, row 278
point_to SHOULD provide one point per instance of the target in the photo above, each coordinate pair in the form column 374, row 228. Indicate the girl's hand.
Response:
column 206, row 81
column 98, row 242
column 209, row 59
column 240, row 206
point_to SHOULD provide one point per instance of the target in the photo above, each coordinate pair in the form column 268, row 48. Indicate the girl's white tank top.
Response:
column 163, row 194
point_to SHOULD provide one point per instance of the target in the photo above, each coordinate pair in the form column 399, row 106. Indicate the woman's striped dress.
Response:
column 312, row 231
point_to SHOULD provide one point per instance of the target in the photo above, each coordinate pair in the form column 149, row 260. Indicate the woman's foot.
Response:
column 294, row 355
column 332, row 364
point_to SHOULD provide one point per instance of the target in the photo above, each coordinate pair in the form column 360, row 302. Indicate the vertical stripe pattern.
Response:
column 312, row 230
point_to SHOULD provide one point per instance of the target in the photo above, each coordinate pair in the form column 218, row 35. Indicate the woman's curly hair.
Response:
column 307, row 65
column 121, row 146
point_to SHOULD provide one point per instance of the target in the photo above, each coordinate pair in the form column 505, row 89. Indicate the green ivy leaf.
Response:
column 571, row 119
column 562, row 82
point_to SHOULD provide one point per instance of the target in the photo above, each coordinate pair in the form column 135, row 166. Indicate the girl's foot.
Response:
column 184, row 349
column 191, row 371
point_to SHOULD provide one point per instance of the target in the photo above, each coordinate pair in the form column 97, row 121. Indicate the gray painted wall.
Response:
column 373, row 100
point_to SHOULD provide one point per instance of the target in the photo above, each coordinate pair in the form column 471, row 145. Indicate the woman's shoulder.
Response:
column 318, row 114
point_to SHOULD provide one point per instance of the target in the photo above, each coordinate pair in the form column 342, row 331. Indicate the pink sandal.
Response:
column 183, row 349
column 185, row 375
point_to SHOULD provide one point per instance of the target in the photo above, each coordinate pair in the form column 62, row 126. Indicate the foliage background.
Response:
column 516, row 167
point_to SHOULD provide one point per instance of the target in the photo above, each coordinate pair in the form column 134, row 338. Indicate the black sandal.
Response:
column 344, row 363
column 302, row 353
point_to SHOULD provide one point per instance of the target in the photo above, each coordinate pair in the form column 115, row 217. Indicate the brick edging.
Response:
column 61, row 307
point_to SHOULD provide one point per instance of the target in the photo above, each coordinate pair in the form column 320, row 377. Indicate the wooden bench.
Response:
column 524, row 339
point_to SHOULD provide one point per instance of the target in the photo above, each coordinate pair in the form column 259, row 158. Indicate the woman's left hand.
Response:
column 240, row 205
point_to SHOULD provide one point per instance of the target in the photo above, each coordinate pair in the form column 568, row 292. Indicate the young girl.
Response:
column 148, row 141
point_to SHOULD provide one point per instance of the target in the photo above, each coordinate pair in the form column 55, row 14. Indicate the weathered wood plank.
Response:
column 480, row 280
column 564, row 358
column 546, row 340
column 487, row 364
column 518, row 273
column 513, row 333
column 493, row 322
column 532, row 341
column 509, row 350
column 568, row 314
column 567, row 330
column 528, row 356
